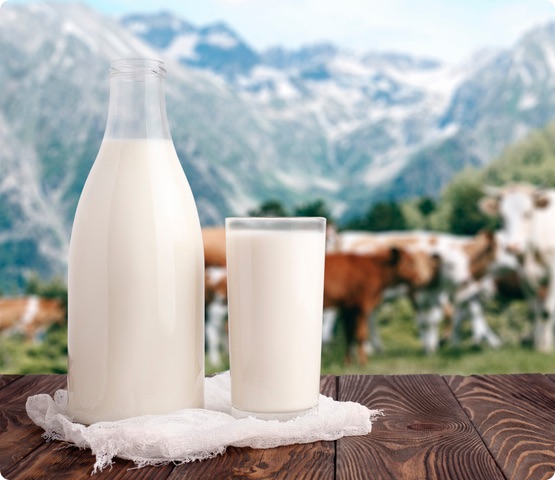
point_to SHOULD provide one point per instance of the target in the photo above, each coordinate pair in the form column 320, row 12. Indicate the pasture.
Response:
column 402, row 352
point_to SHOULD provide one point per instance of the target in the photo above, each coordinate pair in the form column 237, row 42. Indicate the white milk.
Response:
column 275, row 289
column 136, row 286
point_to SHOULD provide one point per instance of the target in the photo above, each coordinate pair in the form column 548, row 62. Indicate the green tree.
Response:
column 381, row 216
column 315, row 208
column 528, row 160
column 269, row 208
column 54, row 288
column 461, row 197
column 426, row 205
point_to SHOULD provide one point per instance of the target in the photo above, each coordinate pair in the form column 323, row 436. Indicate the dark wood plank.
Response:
column 309, row 461
column 57, row 461
column 18, row 435
column 26, row 455
column 551, row 377
column 7, row 379
column 515, row 414
column 424, row 434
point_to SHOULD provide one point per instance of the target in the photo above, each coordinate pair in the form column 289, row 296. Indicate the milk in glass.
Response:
column 275, row 290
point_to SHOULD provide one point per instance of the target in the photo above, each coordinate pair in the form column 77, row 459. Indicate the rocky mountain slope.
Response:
column 317, row 122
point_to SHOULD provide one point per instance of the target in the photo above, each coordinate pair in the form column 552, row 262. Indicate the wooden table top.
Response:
column 435, row 427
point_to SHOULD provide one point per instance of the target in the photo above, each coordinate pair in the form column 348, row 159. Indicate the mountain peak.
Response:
column 295, row 124
column 312, row 54
column 159, row 29
column 401, row 61
column 215, row 47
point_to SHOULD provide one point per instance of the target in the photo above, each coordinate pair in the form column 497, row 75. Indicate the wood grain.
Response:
column 56, row 460
column 309, row 461
column 7, row 379
column 515, row 414
column 424, row 434
column 26, row 455
column 18, row 435
column 478, row 427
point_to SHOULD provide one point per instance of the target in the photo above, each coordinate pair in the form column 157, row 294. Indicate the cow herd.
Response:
column 444, row 276
column 441, row 274
column 528, row 215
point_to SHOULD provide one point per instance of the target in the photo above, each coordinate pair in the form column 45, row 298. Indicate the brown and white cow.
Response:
column 355, row 284
column 215, row 284
column 216, row 314
column 30, row 315
column 213, row 239
column 528, row 215
column 464, row 263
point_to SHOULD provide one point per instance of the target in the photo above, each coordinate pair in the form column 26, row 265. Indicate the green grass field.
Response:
column 402, row 353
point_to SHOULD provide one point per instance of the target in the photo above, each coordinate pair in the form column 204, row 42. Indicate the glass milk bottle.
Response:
column 136, row 265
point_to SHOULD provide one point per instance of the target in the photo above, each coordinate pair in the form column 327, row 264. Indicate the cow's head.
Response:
column 516, row 205
column 416, row 268
column 482, row 252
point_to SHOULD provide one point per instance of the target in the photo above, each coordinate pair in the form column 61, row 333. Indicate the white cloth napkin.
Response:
column 194, row 434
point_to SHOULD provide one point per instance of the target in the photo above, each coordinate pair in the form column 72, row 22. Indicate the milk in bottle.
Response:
column 136, row 268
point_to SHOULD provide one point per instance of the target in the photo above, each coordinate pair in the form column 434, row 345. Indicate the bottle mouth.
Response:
column 137, row 67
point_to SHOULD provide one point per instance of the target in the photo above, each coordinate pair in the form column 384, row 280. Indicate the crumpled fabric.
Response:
column 194, row 434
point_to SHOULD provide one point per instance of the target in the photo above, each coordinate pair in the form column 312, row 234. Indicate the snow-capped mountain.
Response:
column 317, row 122
column 214, row 47
column 369, row 116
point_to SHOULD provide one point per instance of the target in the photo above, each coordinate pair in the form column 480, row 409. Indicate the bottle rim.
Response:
column 137, row 66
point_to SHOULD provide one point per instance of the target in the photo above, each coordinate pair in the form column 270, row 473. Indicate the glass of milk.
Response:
column 275, row 270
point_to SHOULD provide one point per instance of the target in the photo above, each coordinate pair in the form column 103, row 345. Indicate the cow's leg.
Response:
column 536, row 297
column 545, row 320
column 328, row 324
column 361, row 334
column 349, row 318
column 426, row 305
column 457, row 318
column 375, row 337
column 543, row 334
column 216, row 313
column 480, row 328
column 449, row 312
column 429, row 321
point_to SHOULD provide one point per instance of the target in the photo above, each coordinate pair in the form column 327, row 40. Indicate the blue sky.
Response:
column 447, row 29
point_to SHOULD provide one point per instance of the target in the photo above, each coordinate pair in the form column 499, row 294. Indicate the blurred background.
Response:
column 380, row 116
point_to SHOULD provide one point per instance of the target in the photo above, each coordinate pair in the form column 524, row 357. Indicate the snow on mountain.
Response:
column 54, row 61
column 386, row 118
column 315, row 122
column 213, row 47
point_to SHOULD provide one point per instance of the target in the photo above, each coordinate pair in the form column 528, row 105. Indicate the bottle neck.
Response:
column 137, row 107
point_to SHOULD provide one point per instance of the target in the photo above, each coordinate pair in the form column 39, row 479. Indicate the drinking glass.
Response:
column 275, row 270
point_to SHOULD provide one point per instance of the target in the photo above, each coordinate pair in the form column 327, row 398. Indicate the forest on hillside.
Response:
column 530, row 160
